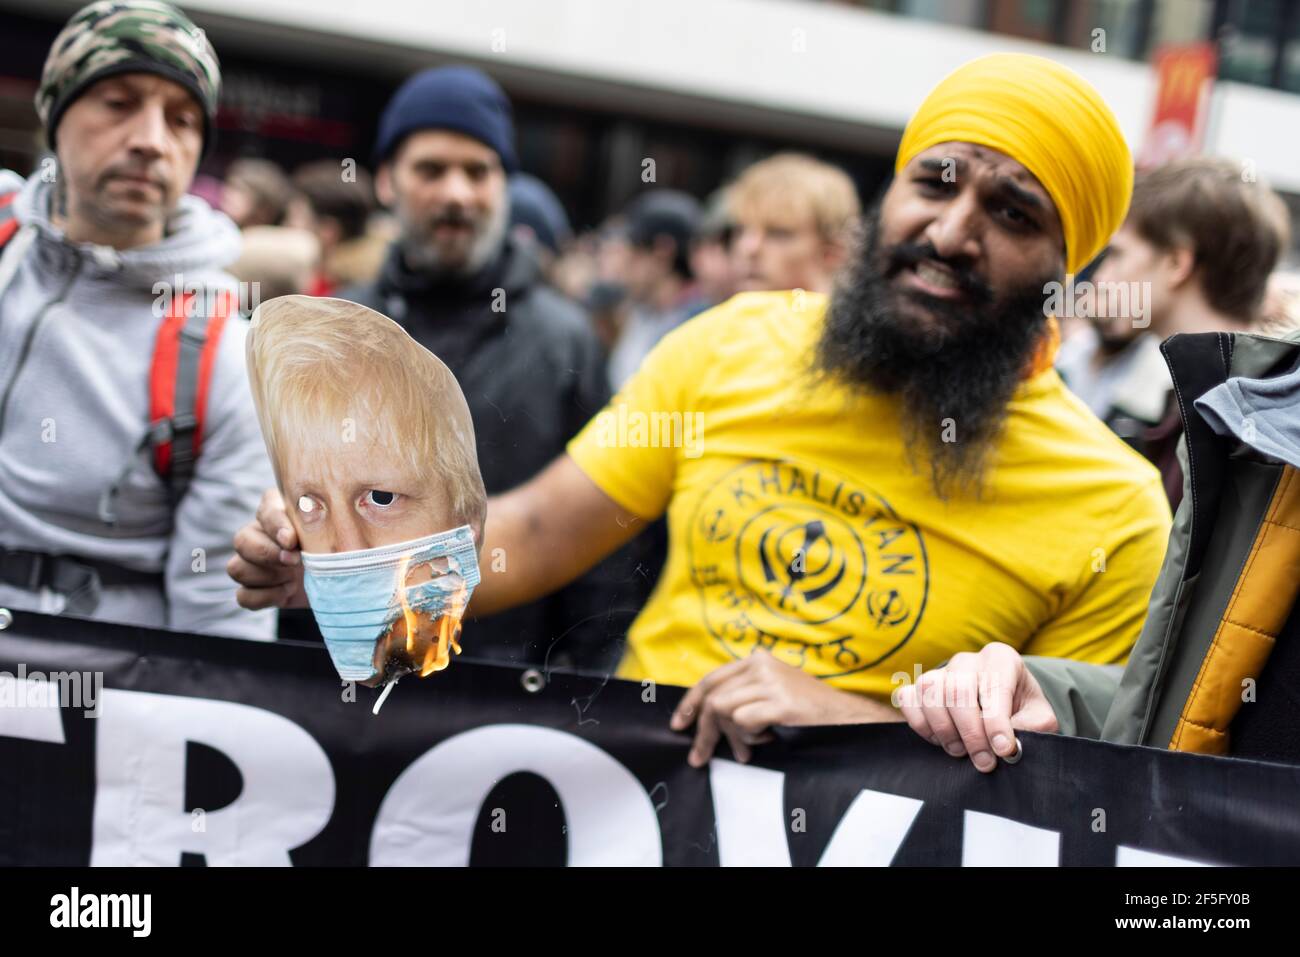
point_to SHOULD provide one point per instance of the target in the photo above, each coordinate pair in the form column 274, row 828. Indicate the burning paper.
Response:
column 418, row 641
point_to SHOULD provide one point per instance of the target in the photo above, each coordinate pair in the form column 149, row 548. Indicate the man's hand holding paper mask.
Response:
column 374, row 455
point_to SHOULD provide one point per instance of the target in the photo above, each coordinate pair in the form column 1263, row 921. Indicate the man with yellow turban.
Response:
column 858, row 488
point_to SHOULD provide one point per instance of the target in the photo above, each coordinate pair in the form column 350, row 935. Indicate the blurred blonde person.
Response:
column 794, row 219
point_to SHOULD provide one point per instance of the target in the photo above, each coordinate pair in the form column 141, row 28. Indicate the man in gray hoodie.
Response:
column 110, row 508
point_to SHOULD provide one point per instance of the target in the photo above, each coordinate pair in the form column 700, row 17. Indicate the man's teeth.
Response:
column 935, row 277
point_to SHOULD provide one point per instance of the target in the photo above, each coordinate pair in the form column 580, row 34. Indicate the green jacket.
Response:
column 1226, row 590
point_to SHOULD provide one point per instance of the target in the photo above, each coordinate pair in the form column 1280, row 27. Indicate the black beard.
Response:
column 954, row 375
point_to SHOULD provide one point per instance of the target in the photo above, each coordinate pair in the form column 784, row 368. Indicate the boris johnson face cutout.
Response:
column 374, row 454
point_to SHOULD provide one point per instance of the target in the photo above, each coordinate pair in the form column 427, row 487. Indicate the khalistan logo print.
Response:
column 807, row 564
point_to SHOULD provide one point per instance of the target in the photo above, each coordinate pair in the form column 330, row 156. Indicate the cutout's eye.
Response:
column 306, row 504
column 380, row 498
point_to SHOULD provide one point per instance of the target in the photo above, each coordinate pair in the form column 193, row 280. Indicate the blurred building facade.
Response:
column 699, row 87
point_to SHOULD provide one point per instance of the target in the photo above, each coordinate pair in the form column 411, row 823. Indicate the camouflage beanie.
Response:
column 111, row 37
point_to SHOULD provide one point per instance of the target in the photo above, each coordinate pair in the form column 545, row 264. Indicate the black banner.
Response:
column 124, row 746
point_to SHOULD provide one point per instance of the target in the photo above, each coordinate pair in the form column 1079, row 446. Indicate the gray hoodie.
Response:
column 77, row 328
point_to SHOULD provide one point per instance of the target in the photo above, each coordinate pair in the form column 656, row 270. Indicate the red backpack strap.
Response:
column 8, row 221
column 180, row 378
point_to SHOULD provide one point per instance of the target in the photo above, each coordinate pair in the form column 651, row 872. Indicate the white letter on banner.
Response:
column 748, row 807
column 140, row 818
column 992, row 841
column 427, row 817
column 1136, row 857
column 871, row 831
column 30, row 710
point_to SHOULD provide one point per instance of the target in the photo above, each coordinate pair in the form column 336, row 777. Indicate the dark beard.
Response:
column 953, row 376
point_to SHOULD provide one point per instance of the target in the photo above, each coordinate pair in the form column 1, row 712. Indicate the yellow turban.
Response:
column 1049, row 119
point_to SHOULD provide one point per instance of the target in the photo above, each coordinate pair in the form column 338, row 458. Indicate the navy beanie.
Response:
column 535, row 205
column 457, row 98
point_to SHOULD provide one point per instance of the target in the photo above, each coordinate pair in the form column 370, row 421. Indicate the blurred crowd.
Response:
column 786, row 222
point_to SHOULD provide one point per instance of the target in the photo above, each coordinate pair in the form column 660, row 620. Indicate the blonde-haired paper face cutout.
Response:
column 373, row 449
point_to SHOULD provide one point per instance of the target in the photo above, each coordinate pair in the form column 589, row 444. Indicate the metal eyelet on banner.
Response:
column 532, row 680
column 6, row 618
column 1015, row 758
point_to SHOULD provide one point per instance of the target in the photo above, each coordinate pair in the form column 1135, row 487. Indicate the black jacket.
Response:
column 533, row 373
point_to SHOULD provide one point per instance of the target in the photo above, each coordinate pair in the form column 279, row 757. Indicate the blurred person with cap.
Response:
column 875, row 481
column 335, row 201
column 715, row 278
column 526, row 357
column 659, row 225
column 538, row 216
column 609, row 308
column 129, row 446
column 794, row 220
column 255, row 193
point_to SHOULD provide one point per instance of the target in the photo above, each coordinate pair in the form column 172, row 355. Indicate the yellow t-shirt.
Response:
column 797, row 524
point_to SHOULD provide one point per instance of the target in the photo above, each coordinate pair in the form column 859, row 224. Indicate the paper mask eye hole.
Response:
column 306, row 504
column 380, row 499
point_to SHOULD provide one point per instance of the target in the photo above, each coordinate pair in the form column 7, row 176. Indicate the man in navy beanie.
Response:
column 526, row 358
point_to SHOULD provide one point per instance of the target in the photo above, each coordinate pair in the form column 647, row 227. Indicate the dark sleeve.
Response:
column 589, row 387
column 594, row 611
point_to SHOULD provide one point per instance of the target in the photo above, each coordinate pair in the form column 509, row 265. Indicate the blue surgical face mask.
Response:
column 355, row 600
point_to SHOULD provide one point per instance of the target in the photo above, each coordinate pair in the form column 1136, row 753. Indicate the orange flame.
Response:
column 436, row 655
